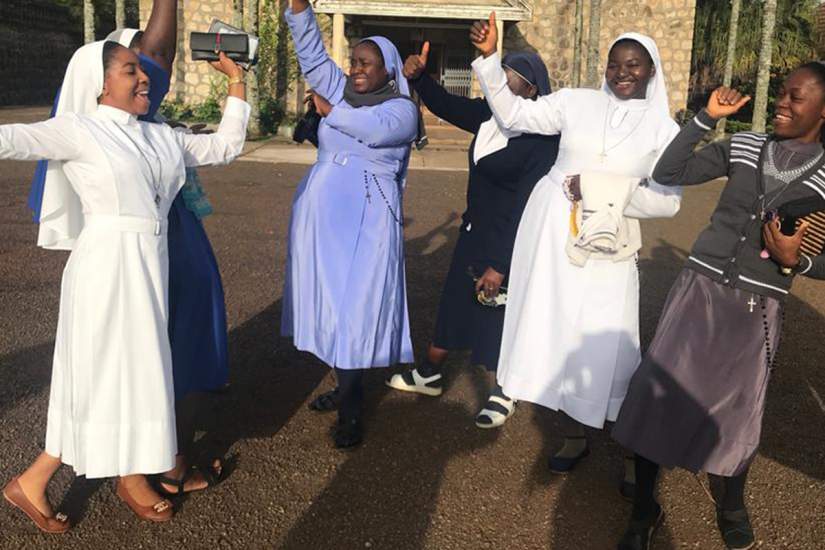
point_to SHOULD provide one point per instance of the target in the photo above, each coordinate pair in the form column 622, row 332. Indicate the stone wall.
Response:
column 192, row 82
column 37, row 45
column 551, row 34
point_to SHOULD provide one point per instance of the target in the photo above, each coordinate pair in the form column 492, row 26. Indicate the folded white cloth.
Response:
column 601, row 230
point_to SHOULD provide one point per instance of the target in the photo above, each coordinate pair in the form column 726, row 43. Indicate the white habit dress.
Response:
column 111, row 407
column 571, row 334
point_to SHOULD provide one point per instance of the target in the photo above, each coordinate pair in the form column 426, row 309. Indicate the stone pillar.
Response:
column 339, row 39
column 500, row 43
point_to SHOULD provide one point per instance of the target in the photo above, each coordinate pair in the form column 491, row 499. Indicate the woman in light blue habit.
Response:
column 345, row 295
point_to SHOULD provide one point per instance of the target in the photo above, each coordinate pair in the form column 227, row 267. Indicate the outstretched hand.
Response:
column 484, row 35
column 725, row 102
column 415, row 64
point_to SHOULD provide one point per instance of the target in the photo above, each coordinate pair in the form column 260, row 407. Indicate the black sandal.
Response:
column 326, row 402
column 735, row 528
column 211, row 472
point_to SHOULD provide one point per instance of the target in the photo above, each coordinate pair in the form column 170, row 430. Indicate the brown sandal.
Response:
column 159, row 512
column 57, row 524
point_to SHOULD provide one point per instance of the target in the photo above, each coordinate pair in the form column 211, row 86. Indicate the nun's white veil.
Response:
column 61, row 215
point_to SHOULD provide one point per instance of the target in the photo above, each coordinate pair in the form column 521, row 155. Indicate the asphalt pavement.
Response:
column 426, row 477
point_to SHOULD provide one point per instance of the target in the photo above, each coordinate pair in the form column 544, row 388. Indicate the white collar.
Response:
column 116, row 115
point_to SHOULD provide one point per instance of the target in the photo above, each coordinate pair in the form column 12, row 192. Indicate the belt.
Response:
column 387, row 169
column 127, row 224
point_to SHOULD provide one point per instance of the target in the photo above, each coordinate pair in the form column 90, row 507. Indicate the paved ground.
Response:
column 426, row 477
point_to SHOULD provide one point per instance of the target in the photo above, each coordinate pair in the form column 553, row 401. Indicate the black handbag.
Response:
column 811, row 210
column 206, row 45
column 307, row 127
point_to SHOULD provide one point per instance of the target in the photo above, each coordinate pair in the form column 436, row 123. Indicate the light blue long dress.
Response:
column 345, row 296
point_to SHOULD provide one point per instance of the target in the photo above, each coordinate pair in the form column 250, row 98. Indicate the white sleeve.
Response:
column 651, row 199
column 544, row 116
column 54, row 139
column 223, row 146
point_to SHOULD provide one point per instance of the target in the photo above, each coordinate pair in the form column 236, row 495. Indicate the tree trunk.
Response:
column 594, row 32
column 731, row 55
column 763, row 76
column 577, row 44
column 250, row 25
column 120, row 14
column 88, row 21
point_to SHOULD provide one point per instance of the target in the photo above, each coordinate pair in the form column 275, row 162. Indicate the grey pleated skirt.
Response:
column 696, row 401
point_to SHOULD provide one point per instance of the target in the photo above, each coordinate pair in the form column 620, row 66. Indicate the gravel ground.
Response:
column 425, row 477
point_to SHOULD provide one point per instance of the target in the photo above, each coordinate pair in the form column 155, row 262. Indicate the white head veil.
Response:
column 123, row 37
column 656, row 97
column 61, row 215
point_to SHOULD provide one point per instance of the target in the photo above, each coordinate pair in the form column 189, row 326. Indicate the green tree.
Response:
column 763, row 75
column 733, row 30
column 250, row 25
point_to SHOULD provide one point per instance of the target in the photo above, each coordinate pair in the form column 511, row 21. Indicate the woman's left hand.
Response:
column 784, row 249
column 322, row 106
column 490, row 282
column 227, row 66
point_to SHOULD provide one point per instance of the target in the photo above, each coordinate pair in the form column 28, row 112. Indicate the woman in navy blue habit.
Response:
column 197, row 312
column 504, row 168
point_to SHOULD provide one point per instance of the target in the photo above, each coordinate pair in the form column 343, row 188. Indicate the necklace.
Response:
column 785, row 176
column 156, row 179
column 605, row 149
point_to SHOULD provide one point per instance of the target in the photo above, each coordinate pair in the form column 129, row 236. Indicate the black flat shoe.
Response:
column 735, row 528
column 348, row 433
column 639, row 533
column 563, row 465
column 326, row 402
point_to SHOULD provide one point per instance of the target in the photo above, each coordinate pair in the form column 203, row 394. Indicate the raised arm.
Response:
column 390, row 124
column 543, row 116
column 227, row 142
column 58, row 138
column 323, row 75
column 159, row 41
column 465, row 113
column 681, row 163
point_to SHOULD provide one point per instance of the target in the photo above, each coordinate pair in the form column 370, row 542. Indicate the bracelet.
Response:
column 236, row 80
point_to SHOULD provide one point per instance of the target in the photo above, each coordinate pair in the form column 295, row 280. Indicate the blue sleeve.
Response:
column 323, row 75
column 389, row 124
column 158, row 85
column 38, row 185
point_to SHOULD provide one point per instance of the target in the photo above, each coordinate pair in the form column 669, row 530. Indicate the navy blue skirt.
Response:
column 462, row 322
column 197, row 313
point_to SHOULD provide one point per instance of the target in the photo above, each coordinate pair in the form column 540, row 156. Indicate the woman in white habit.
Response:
column 571, row 333
column 111, row 406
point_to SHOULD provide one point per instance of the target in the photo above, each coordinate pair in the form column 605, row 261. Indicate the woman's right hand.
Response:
column 484, row 35
column 415, row 64
column 725, row 101
column 299, row 5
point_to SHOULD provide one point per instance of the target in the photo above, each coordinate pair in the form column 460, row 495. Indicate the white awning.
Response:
column 506, row 10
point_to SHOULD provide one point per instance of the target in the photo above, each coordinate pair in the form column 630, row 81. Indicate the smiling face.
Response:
column 125, row 85
column 629, row 69
column 800, row 107
column 367, row 70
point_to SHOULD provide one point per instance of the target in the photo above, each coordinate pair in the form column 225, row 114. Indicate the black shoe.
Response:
column 348, row 433
column 326, row 402
column 735, row 528
column 562, row 465
column 639, row 533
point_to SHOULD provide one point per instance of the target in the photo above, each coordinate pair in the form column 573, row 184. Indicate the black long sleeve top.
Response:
column 500, row 184
column 728, row 250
